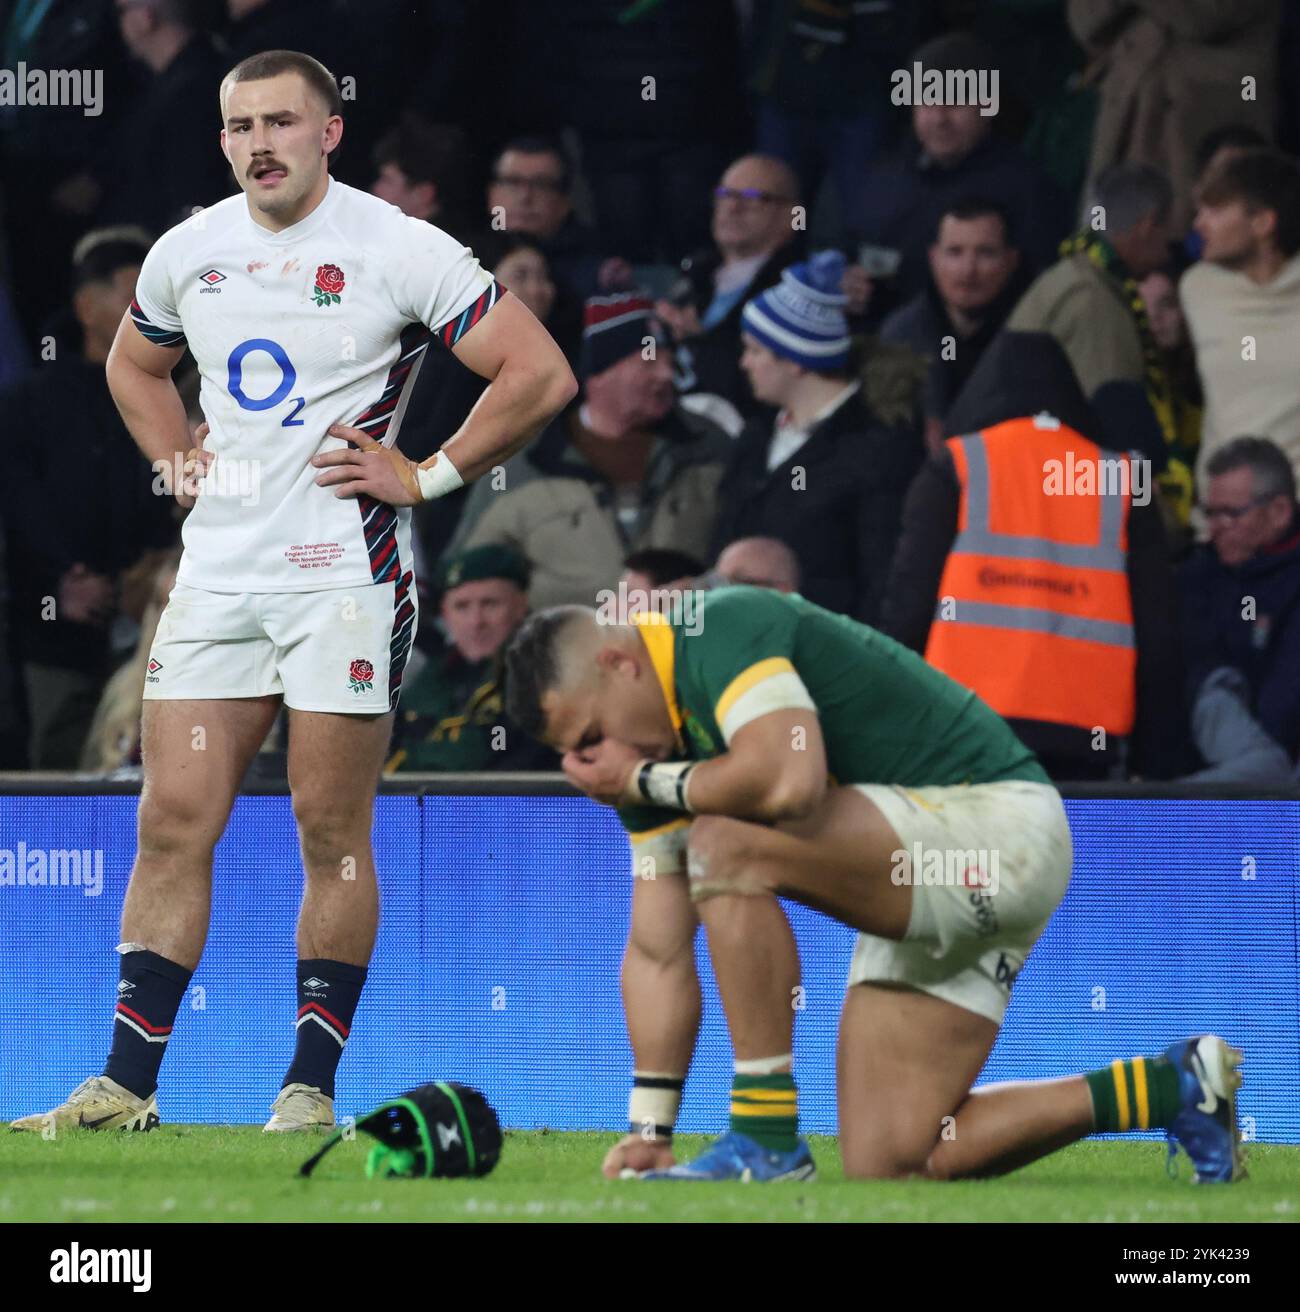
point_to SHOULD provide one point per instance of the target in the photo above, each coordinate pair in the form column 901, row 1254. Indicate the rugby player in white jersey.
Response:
column 307, row 306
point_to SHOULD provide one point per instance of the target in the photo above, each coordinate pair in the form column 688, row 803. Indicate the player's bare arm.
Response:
column 775, row 769
column 530, row 383
column 140, row 378
column 661, row 999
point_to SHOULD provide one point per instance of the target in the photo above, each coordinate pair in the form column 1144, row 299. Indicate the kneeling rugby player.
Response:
column 761, row 746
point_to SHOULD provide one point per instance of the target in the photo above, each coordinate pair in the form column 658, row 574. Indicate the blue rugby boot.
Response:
column 1206, row 1124
column 738, row 1157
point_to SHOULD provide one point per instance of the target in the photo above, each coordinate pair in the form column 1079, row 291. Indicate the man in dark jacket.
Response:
column 452, row 715
column 531, row 192
column 621, row 470
column 650, row 162
column 1241, row 599
column 828, row 478
column 972, row 287
column 954, row 153
column 1023, row 375
column 175, row 111
column 755, row 237
column 79, row 511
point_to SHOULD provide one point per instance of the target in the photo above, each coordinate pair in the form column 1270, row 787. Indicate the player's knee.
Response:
column 892, row 1151
column 943, row 1163
column 716, row 842
column 330, row 832
column 171, row 822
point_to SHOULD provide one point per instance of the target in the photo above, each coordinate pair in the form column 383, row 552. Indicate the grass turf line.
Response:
column 236, row 1173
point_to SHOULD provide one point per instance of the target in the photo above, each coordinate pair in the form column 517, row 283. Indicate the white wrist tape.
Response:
column 665, row 784
column 653, row 1104
column 765, row 1065
column 439, row 478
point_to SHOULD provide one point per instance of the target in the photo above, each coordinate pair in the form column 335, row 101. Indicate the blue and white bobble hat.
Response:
column 802, row 318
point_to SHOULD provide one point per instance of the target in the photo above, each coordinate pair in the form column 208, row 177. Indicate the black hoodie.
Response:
column 923, row 323
column 1019, row 376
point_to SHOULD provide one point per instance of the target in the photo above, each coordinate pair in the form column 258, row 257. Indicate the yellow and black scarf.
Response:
column 1176, row 481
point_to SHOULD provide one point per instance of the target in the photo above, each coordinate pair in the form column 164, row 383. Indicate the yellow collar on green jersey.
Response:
column 658, row 637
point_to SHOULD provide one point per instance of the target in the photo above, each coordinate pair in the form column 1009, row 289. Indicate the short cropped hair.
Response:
column 955, row 52
column 1238, row 136
column 537, row 145
column 1270, row 466
column 533, row 662
column 1262, row 180
column 271, row 63
column 965, row 208
column 1129, row 192
column 663, row 564
column 101, row 253
column 430, row 152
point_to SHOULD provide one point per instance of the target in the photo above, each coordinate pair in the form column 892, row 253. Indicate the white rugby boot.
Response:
column 95, row 1104
column 300, row 1107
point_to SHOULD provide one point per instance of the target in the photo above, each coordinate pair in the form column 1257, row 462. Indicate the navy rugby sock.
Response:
column 149, row 995
column 328, row 993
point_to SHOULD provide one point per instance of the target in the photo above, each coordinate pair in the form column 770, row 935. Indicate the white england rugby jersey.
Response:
column 323, row 323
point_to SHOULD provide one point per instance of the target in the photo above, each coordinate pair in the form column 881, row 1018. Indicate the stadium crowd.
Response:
column 1012, row 381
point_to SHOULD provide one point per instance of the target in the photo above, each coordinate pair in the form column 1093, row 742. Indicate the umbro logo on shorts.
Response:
column 315, row 983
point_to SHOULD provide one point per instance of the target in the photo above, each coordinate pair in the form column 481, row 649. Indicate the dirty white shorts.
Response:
column 988, row 864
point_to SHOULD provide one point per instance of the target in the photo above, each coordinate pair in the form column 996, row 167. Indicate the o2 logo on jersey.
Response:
column 288, row 377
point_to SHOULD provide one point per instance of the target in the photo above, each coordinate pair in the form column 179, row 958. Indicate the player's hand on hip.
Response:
column 633, row 1153
column 368, row 469
column 194, row 470
column 604, row 771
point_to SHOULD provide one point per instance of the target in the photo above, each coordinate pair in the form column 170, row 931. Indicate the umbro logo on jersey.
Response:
column 154, row 666
column 212, row 277
column 314, row 983
column 124, row 986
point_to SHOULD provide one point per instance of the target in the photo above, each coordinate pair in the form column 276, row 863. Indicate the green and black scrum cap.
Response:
column 438, row 1129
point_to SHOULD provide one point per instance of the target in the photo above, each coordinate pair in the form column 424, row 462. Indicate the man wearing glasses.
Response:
column 755, row 208
column 1241, row 616
column 531, row 193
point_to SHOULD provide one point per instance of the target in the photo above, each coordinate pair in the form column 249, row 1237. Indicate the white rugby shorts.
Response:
column 988, row 864
column 340, row 650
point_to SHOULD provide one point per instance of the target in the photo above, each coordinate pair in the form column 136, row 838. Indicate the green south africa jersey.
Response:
column 886, row 716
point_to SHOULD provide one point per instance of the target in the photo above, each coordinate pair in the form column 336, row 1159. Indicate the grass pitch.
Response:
column 212, row 1173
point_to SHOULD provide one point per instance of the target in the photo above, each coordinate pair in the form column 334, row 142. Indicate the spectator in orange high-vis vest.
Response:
column 1033, row 569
